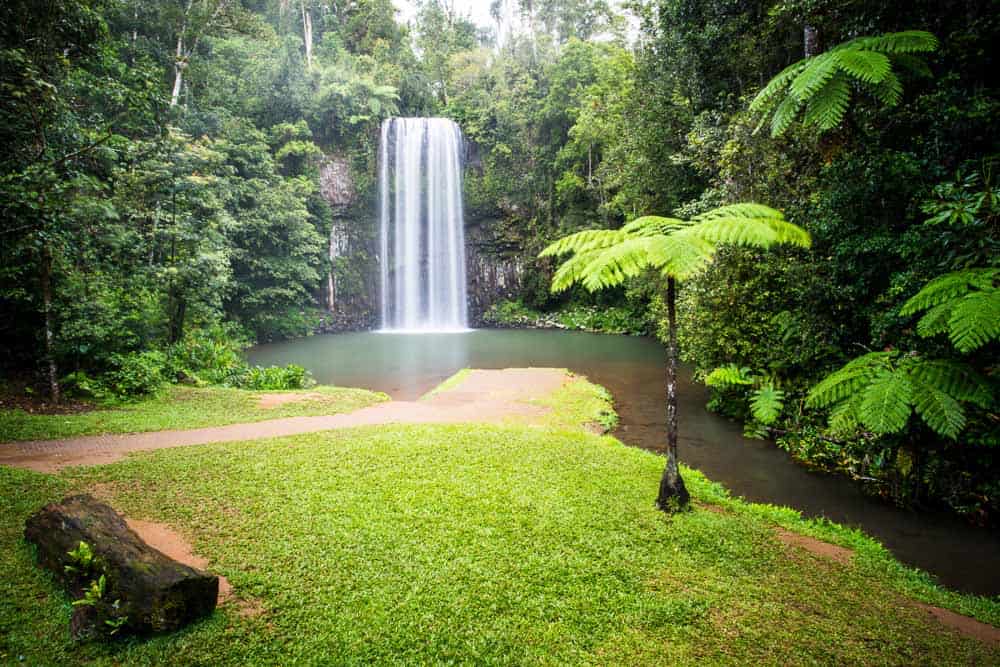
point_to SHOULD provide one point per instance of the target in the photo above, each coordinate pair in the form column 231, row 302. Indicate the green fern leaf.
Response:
column 975, row 321
column 851, row 378
column 935, row 321
column 729, row 376
column 889, row 91
column 613, row 266
column 844, row 416
column 958, row 380
column 950, row 286
column 571, row 271
column 818, row 70
column 743, row 210
column 907, row 41
column 680, row 255
column 767, row 403
column 784, row 115
column 886, row 402
column 827, row 107
column 775, row 86
column 587, row 240
column 648, row 225
column 939, row 410
column 813, row 82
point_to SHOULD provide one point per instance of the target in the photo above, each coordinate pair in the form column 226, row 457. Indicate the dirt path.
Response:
column 489, row 396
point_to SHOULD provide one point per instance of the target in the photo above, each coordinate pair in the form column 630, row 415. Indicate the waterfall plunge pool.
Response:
column 407, row 365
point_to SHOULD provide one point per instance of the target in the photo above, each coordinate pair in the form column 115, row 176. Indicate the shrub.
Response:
column 136, row 374
column 273, row 378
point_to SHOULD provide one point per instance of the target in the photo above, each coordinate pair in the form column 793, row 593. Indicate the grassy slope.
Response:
column 494, row 544
column 502, row 545
column 180, row 408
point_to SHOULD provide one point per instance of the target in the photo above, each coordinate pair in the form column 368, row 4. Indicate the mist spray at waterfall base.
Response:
column 422, row 240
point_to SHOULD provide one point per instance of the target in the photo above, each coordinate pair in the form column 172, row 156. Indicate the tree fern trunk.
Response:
column 673, row 494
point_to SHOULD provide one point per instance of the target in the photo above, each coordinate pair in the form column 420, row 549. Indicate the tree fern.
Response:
column 855, row 375
column 676, row 248
column 881, row 390
column 766, row 403
column 822, row 84
column 965, row 304
column 729, row 376
column 886, row 401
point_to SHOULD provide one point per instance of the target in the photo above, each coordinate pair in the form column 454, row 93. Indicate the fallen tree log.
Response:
column 118, row 581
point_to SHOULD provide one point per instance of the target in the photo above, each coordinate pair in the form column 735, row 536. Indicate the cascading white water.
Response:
column 422, row 241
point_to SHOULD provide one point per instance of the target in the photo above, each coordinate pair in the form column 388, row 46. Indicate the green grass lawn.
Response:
column 478, row 544
column 181, row 408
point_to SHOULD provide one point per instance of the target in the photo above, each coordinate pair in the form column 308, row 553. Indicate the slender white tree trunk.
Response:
column 179, row 65
column 307, row 33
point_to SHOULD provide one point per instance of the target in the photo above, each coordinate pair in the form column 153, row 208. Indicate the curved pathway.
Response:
column 489, row 396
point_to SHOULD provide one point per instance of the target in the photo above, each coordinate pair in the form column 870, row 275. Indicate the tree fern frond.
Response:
column 889, row 91
column 935, row 321
column 587, row 240
column 886, row 402
column 950, row 286
column 613, row 266
column 653, row 224
column 868, row 66
column 844, row 416
column 852, row 377
column 827, row 107
column 571, row 271
column 821, row 83
column 790, row 234
column 775, row 86
column 939, row 410
column 680, row 255
column 818, row 70
column 906, row 41
column 728, row 376
column 735, row 231
column 767, row 403
column 975, row 321
column 958, row 380
column 784, row 115
column 743, row 210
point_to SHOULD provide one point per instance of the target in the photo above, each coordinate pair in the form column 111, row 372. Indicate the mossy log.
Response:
column 144, row 590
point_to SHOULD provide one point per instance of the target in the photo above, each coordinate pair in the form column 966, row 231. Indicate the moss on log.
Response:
column 144, row 590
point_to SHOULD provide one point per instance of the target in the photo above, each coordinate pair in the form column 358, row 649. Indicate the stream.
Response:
column 405, row 366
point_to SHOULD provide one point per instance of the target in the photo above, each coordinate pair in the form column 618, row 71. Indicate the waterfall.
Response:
column 421, row 236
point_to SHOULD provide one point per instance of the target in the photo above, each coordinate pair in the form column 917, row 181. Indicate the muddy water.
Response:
column 406, row 366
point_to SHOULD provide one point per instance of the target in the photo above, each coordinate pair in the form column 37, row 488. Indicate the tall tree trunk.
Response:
column 179, row 65
column 307, row 33
column 46, row 279
column 810, row 38
column 673, row 494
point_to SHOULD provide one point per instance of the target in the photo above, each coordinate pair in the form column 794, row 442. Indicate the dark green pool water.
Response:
column 406, row 366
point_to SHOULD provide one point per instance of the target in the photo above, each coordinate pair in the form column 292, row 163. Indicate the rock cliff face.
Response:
column 494, row 267
column 351, row 289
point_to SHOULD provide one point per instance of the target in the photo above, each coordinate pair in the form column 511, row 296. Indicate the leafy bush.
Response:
column 136, row 374
column 603, row 319
column 273, row 378
column 214, row 355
